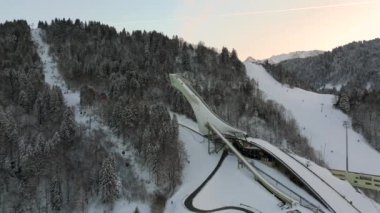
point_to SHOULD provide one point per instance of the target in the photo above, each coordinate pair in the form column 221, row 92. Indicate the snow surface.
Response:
column 87, row 118
column 292, row 55
column 321, row 123
column 229, row 187
column 332, row 86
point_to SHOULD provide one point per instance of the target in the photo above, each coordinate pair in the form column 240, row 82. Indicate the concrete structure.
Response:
column 200, row 108
column 366, row 181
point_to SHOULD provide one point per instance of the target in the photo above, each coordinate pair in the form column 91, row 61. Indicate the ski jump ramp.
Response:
column 208, row 122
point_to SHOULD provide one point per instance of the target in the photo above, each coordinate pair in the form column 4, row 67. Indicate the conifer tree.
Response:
column 108, row 181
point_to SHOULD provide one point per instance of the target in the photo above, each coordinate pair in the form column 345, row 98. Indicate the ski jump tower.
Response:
column 201, row 110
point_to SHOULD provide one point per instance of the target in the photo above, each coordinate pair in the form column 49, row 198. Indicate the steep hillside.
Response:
column 132, row 69
column 321, row 122
column 47, row 163
column 351, row 71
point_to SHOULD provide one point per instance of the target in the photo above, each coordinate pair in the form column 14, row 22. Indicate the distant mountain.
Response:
column 356, row 64
column 292, row 55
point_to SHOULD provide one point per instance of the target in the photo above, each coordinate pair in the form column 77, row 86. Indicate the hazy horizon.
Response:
column 256, row 29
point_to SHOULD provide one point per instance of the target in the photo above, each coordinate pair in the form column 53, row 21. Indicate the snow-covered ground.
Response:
column 92, row 122
column 320, row 122
column 229, row 187
column 332, row 86
column 292, row 55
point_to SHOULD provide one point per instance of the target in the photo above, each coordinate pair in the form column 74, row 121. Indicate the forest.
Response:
column 132, row 70
column 49, row 163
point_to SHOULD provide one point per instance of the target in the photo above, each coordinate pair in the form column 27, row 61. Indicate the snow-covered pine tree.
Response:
column 344, row 102
column 108, row 181
column 67, row 128
column 56, row 199
column 23, row 100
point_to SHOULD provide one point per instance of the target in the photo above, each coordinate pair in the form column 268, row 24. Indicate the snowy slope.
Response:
column 292, row 55
column 92, row 122
column 229, row 187
column 320, row 122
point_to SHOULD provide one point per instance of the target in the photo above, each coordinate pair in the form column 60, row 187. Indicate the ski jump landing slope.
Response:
column 316, row 184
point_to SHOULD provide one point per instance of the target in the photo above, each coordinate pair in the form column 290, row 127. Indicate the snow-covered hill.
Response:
column 292, row 55
column 320, row 122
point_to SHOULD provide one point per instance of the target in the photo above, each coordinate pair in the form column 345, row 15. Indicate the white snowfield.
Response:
column 292, row 55
column 321, row 123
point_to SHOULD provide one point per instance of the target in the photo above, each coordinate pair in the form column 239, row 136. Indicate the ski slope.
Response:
column 320, row 122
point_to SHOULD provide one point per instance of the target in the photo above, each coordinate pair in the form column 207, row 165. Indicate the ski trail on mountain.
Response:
column 320, row 122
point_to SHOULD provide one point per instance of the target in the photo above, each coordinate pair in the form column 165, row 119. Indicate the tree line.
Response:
column 47, row 163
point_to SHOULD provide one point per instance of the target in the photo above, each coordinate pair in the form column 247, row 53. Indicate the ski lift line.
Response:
column 282, row 196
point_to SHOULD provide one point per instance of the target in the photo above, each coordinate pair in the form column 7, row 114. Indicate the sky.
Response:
column 257, row 28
